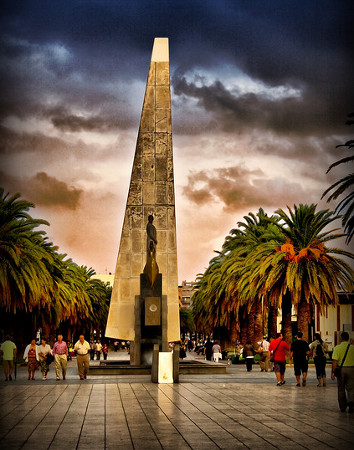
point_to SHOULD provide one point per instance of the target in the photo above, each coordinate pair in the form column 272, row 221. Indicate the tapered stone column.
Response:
column 151, row 191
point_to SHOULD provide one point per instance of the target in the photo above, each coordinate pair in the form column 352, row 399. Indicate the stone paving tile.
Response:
column 237, row 410
column 117, row 431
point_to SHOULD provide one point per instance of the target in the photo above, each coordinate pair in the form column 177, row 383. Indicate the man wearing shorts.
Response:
column 279, row 349
column 299, row 353
column 8, row 350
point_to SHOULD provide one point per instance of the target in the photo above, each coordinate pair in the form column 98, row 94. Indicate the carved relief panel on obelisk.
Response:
column 151, row 192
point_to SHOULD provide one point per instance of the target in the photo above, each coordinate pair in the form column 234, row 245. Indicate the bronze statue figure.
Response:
column 151, row 268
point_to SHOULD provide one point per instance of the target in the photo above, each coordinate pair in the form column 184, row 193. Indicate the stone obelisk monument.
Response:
column 151, row 193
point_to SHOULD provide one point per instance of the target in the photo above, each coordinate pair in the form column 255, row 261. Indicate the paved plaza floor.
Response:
column 231, row 411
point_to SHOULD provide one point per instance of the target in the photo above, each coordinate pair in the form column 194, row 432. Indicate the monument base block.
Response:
column 150, row 347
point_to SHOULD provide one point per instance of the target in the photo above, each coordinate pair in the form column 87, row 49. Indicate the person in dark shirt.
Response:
column 299, row 354
column 208, row 349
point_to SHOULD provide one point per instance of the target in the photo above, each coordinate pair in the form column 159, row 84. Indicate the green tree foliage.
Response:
column 36, row 279
column 186, row 320
column 273, row 262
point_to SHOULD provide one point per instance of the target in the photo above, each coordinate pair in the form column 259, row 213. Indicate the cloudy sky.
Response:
column 260, row 95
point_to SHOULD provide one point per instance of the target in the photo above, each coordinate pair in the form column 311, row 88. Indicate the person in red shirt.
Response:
column 279, row 349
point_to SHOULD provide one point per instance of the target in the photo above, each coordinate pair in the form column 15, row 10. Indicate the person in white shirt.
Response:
column 82, row 350
column 216, row 349
column 264, row 355
column 43, row 351
column 98, row 349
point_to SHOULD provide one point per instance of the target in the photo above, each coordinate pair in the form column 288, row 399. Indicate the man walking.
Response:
column 264, row 355
column 279, row 349
column 8, row 350
column 82, row 349
column 299, row 353
column 98, row 349
column 60, row 352
column 92, row 349
column 343, row 359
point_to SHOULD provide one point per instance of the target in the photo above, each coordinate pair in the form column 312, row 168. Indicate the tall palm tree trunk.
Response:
column 243, row 326
column 251, row 322
column 303, row 318
column 286, row 318
column 258, row 323
column 272, row 321
column 233, row 331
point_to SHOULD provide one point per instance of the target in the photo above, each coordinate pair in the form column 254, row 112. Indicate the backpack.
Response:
column 319, row 351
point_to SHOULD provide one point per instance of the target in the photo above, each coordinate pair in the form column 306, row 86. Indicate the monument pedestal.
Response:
column 151, row 328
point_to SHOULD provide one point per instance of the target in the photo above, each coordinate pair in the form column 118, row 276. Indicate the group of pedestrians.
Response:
column 277, row 350
column 211, row 349
column 300, row 352
column 42, row 355
column 97, row 349
column 248, row 352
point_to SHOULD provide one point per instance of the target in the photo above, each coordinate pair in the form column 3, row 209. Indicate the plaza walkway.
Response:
column 236, row 410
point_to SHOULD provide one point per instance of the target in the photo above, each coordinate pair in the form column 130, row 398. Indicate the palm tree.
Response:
column 45, row 287
column 346, row 205
column 217, row 302
column 207, row 299
column 242, row 241
column 301, row 268
column 315, row 274
column 186, row 320
column 24, row 277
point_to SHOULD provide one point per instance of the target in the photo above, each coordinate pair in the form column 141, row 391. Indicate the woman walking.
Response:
column 31, row 357
column 319, row 351
column 105, row 351
column 248, row 354
column 44, row 352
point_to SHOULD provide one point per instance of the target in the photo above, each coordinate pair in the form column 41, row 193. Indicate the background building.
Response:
column 185, row 293
column 105, row 278
column 336, row 319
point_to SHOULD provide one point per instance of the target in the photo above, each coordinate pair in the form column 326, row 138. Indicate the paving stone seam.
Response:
column 146, row 416
column 67, row 410
column 295, row 427
column 327, row 425
column 13, row 395
column 194, row 422
column 307, row 418
column 64, row 391
column 125, row 415
column 226, row 400
column 211, row 441
column 163, row 412
column 105, row 415
column 17, row 394
column 22, row 418
column 115, row 395
column 244, row 441
column 304, row 425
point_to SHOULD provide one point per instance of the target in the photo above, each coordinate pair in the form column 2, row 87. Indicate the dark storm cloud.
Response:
column 236, row 112
column 50, row 148
column 47, row 81
column 12, row 142
column 69, row 122
column 43, row 190
column 238, row 188
column 77, row 51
